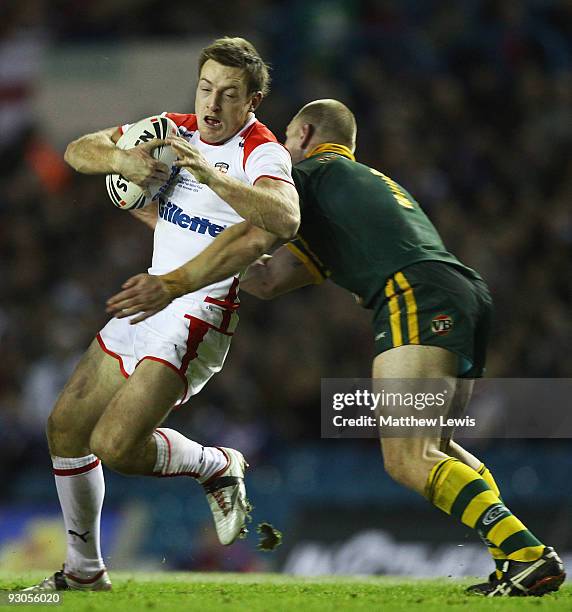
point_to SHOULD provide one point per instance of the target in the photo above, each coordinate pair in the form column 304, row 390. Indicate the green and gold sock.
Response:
column 496, row 553
column 460, row 491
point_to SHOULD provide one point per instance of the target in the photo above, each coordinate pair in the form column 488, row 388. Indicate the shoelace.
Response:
column 221, row 501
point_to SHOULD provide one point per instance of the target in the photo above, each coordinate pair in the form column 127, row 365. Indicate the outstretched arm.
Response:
column 230, row 253
column 270, row 277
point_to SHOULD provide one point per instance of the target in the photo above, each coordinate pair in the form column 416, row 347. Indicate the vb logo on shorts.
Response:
column 442, row 324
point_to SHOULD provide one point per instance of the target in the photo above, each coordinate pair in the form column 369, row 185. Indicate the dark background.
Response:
column 466, row 103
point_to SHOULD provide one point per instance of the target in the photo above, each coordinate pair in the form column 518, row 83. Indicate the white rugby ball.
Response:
column 127, row 195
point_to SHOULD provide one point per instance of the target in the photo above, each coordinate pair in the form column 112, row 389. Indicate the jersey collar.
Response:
column 332, row 147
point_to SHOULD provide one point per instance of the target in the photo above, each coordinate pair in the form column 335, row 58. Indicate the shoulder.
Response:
column 312, row 167
column 323, row 177
column 258, row 139
column 327, row 165
column 256, row 134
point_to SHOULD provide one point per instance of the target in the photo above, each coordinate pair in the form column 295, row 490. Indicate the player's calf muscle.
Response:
column 128, row 457
column 116, row 451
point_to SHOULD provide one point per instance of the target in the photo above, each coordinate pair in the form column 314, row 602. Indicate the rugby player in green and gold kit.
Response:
column 431, row 319
column 368, row 235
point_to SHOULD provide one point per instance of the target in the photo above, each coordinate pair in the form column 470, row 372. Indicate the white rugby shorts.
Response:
column 192, row 338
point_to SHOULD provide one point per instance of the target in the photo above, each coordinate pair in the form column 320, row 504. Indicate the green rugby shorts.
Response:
column 436, row 304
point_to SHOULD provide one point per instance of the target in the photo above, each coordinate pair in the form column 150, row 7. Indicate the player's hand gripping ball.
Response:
column 149, row 135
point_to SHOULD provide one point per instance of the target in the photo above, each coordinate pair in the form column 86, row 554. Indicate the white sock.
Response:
column 179, row 456
column 81, row 489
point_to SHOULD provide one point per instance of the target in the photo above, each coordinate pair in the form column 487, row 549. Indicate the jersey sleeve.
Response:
column 299, row 247
column 270, row 160
column 301, row 183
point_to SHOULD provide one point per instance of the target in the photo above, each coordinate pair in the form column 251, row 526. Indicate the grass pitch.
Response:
column 263, row 592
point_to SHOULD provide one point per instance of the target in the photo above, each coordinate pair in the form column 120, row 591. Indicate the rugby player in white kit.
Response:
column 139, row 367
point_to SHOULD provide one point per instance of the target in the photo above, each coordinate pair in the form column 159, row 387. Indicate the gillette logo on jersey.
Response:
column 174, row 214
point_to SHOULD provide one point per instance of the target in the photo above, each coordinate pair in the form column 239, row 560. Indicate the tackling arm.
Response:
column 276, row 275
column 229, row 253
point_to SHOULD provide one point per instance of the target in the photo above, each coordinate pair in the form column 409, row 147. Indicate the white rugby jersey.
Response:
column 191, row 214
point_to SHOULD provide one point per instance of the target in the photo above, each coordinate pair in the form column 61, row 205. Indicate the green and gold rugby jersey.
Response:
column 359, row 226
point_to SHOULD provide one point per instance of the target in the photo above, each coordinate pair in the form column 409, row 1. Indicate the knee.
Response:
column 397, row 467
column 405, row 466
column 111, row 450
column 53, row 426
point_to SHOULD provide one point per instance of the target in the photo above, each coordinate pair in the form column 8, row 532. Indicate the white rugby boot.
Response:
column 62, row 581
column 226, row 496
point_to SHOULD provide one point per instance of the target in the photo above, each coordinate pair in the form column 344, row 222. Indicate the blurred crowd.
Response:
column 467, row 103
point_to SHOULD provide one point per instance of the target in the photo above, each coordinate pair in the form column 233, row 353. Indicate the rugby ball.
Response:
column 127, row 195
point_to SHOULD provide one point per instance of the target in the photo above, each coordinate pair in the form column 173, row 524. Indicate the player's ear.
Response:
column 308, row 131
column 255, row 101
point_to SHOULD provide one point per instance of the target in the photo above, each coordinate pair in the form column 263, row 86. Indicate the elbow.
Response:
column 261, row 294
column 289, row 217
column 268, row 288
column 266, row 296
column 289, row 227
column 70, row 155
column 293, row 225
column 263, row 291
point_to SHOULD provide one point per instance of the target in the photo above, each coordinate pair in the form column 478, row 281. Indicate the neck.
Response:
column 331, row 147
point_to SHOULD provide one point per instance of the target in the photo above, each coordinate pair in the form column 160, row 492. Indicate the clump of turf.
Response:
column 269, row 537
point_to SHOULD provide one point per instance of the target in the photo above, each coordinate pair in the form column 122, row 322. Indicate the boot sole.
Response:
column 546, row 585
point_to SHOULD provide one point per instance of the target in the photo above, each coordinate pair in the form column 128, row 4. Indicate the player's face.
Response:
column 294, row 140
column 222, row 102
